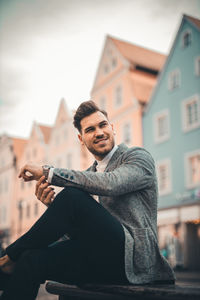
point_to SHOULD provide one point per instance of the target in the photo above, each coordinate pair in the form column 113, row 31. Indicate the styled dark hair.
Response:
column 85, row 109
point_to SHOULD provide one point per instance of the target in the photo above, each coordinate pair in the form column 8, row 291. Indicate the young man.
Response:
column 109, row 213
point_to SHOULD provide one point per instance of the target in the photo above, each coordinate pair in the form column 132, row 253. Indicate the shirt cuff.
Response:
column 50, row 175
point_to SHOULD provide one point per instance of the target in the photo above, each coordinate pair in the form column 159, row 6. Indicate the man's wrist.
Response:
column 46, row 169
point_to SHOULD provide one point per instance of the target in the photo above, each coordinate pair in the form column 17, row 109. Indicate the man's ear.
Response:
column 80, row 139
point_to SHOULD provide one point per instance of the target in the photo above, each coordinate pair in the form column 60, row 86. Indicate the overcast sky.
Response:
column 50, row 49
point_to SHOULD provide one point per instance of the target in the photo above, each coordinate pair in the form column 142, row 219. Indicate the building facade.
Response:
column 10, row 153
column 171, row 132
column 26, row 208
column 124, row 81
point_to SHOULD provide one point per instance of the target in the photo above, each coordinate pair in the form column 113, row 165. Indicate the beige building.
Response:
column 124, row 81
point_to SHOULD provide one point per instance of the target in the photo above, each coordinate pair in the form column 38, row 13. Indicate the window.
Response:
column 127, row 133
column 174, row 80
column 161, row 126
column 118, row 96
column 192, row 169
column 191, row 113
column 20, row 208
column 36, row 209
column 102, row 103
column 28, row 208
column 164, row 176
column 186, row 39
column 114, row 62
column 197, row 66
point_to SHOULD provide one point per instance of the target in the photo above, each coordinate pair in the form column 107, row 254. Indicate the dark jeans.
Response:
column 94, row 252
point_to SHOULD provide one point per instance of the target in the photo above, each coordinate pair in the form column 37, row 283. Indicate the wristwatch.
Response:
column 46, row 169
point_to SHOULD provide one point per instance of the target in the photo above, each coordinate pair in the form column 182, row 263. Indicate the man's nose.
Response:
column 99, row 132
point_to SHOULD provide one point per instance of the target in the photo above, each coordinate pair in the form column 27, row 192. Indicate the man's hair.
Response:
column 85, row 109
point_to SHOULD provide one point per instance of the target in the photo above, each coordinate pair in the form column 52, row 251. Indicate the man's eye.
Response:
column 103, row 124
column 88, row 130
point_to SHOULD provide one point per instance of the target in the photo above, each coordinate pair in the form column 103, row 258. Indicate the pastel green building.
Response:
column 171, row 132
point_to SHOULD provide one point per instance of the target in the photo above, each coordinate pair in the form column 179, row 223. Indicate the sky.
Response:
column 50, row 49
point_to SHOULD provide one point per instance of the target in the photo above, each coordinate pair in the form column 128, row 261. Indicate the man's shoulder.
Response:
column 134, row 151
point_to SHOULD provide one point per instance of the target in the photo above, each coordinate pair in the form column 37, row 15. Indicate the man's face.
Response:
column 97, row 134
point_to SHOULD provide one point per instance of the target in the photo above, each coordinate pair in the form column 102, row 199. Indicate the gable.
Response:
column 176, row 57
column 63, row 114
column 111, row 62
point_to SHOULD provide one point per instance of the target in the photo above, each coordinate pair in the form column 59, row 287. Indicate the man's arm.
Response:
column 136, row 172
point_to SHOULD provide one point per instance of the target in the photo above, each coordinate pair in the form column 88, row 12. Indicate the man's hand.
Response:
column 44, row 192
column 31, row 172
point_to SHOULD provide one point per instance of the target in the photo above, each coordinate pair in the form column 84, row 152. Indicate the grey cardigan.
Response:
column 128, row 190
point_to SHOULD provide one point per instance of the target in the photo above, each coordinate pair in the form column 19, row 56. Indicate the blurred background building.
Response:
column 153, row 101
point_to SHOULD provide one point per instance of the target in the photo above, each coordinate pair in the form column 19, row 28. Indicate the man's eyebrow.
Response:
column 104, row 121
column 87, row 128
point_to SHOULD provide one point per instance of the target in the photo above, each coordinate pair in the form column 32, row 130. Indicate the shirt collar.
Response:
column 106, row 159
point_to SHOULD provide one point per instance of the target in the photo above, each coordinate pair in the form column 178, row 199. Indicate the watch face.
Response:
column 46, row 167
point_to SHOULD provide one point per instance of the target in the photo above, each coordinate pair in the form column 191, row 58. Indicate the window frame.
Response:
column 171, row 74
column 164, row 162
column 160, row 139
column 187, row 31
column 187, row 156
column 130, row 131
column 185, row 126
column 102, row 98
column 116, row 105
column 197, row 66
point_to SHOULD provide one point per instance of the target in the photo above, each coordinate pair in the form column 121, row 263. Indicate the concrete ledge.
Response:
column 179, row 291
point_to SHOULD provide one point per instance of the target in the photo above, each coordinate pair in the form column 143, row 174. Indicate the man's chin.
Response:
column 102, row 151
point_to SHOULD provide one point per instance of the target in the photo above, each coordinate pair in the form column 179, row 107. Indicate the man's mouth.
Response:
column 100, row 140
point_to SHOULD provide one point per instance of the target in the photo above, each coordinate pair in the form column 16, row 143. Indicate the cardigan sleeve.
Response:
column 135, row 171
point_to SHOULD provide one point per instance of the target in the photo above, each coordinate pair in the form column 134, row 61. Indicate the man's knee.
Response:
column 71, row 194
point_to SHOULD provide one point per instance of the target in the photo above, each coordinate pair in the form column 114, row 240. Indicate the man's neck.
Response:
column 108, row 156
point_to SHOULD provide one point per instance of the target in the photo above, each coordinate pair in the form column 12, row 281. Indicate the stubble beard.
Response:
column 103, row 153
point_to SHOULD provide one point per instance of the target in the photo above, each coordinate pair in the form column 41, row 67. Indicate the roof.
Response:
column 195, row 21
column 46, row 131
column 142, row 85
column 139, row 55
column 18, row 146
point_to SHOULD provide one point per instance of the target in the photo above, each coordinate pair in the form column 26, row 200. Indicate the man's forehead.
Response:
column 93, row 119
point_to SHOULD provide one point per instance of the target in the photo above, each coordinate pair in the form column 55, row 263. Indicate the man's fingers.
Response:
column 40, row 181
column 41, row 189
column 47, row 196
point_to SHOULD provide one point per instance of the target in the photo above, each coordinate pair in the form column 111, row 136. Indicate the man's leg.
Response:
column 74, row 212
column 63, row 262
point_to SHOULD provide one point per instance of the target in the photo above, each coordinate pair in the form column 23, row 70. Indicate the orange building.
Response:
column 26, row 208
column 11, row 150
column 124, row 81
